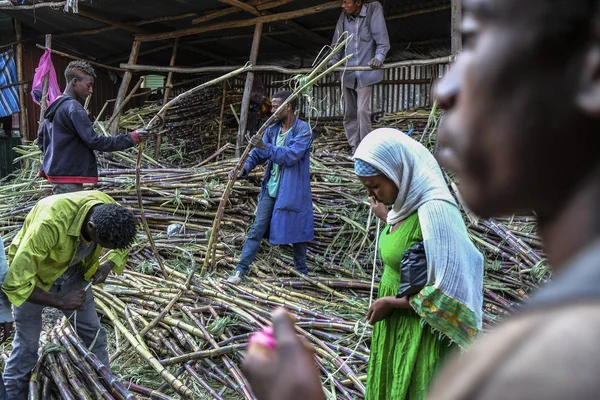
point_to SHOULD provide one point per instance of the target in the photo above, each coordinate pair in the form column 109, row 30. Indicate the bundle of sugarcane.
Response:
column 67, row 369
column 202, row 336
column 191, row 127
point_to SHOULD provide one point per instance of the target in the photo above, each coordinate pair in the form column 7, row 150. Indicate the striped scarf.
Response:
column 452, row 300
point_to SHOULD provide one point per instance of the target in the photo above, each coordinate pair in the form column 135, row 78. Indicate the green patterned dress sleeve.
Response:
column 405, row 350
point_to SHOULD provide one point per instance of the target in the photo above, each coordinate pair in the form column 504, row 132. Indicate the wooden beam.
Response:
column 228, row 11
column 66, row 55
column 236, row 24
column 131, row 23
column 223, row 101
column 203, row 52
column 44, row 99
column 168, row 87
column 275, row 68
column 417, row 12
column 135, row 51
column 124, row 102
column 317, row 28
column 164, row 19
column 4, row 6
column 15, row 84
column 308, row 34
column 11, row 44
column 121, row 57
column 241, row 5
column 394, row 16
column 248, row 91
column 215, row 15
column 85, row 32
column 93, row 15
column 23, row 129
column 456, row 21
column 405, row 46
column 236, row 36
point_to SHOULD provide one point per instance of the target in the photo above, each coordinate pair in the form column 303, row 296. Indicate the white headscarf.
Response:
column 455, row 266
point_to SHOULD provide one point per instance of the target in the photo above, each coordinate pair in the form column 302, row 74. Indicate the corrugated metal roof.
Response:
column 415, row 36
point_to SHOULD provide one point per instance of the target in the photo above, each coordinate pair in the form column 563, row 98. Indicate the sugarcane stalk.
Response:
column 141, row 150
column 112, row 381
column 175, row 383
column 35, row 383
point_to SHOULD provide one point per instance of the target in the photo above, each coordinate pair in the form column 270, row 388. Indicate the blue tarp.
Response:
column 9, row 96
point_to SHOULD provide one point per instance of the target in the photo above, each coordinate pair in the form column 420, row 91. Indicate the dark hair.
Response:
column 77, row 69
column 283, row 95
column 114, row 224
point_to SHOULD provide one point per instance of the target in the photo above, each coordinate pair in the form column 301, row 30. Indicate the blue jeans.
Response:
column 264, row 213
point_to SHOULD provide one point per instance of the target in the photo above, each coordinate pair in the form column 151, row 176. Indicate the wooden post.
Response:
column 23, row 129
column 223, row 101
column 135, row 51
column 125, row 101
column 44, row 100
column 168, row 86
column 456, row 20
column 248, row 91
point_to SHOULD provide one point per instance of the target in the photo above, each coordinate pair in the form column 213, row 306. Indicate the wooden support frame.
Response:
column 132, row 23
column 125, row 101
column 95, row 16
column 395, row 16
column 23, row 128
column 308, row 34
column 248, row 91
column 456, row 20
column 44, row 99
column 72, row 57
column 233, row 10
column 55, row 4
column 168, row 87
column 135, row 51
column 236, row 24
column 275, row 68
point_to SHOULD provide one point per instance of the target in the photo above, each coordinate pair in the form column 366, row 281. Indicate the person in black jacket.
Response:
column 67, row 137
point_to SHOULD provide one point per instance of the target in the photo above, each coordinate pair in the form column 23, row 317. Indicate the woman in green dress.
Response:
column 413, row 335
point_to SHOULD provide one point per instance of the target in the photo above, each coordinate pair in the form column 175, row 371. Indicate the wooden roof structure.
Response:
column 131, row 36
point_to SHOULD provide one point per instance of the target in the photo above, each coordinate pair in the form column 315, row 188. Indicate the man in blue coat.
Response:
column 285, row 202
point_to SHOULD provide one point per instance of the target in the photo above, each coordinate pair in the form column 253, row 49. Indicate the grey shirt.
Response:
column 370, row 41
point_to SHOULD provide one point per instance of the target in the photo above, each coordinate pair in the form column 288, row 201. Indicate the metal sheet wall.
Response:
column 402, row 88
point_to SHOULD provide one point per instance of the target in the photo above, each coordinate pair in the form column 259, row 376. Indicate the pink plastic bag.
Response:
column 45, row 67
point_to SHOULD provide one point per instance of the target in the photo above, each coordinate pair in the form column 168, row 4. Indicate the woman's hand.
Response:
column 379, row 209
column 379, row 310
column 383, row 307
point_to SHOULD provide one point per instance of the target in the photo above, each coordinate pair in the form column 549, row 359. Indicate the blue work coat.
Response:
column 292, row 220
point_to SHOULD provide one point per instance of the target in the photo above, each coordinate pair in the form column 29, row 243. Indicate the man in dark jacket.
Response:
column 67, row 137
column 285, row 203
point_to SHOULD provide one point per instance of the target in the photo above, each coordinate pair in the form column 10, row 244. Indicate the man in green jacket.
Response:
column 51, row 261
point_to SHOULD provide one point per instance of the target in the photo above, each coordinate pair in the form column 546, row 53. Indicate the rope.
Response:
column 362, row 335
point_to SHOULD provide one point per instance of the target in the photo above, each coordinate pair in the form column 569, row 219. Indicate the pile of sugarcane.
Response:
column 185, row 335
column 191, row 128
column 69, row 370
